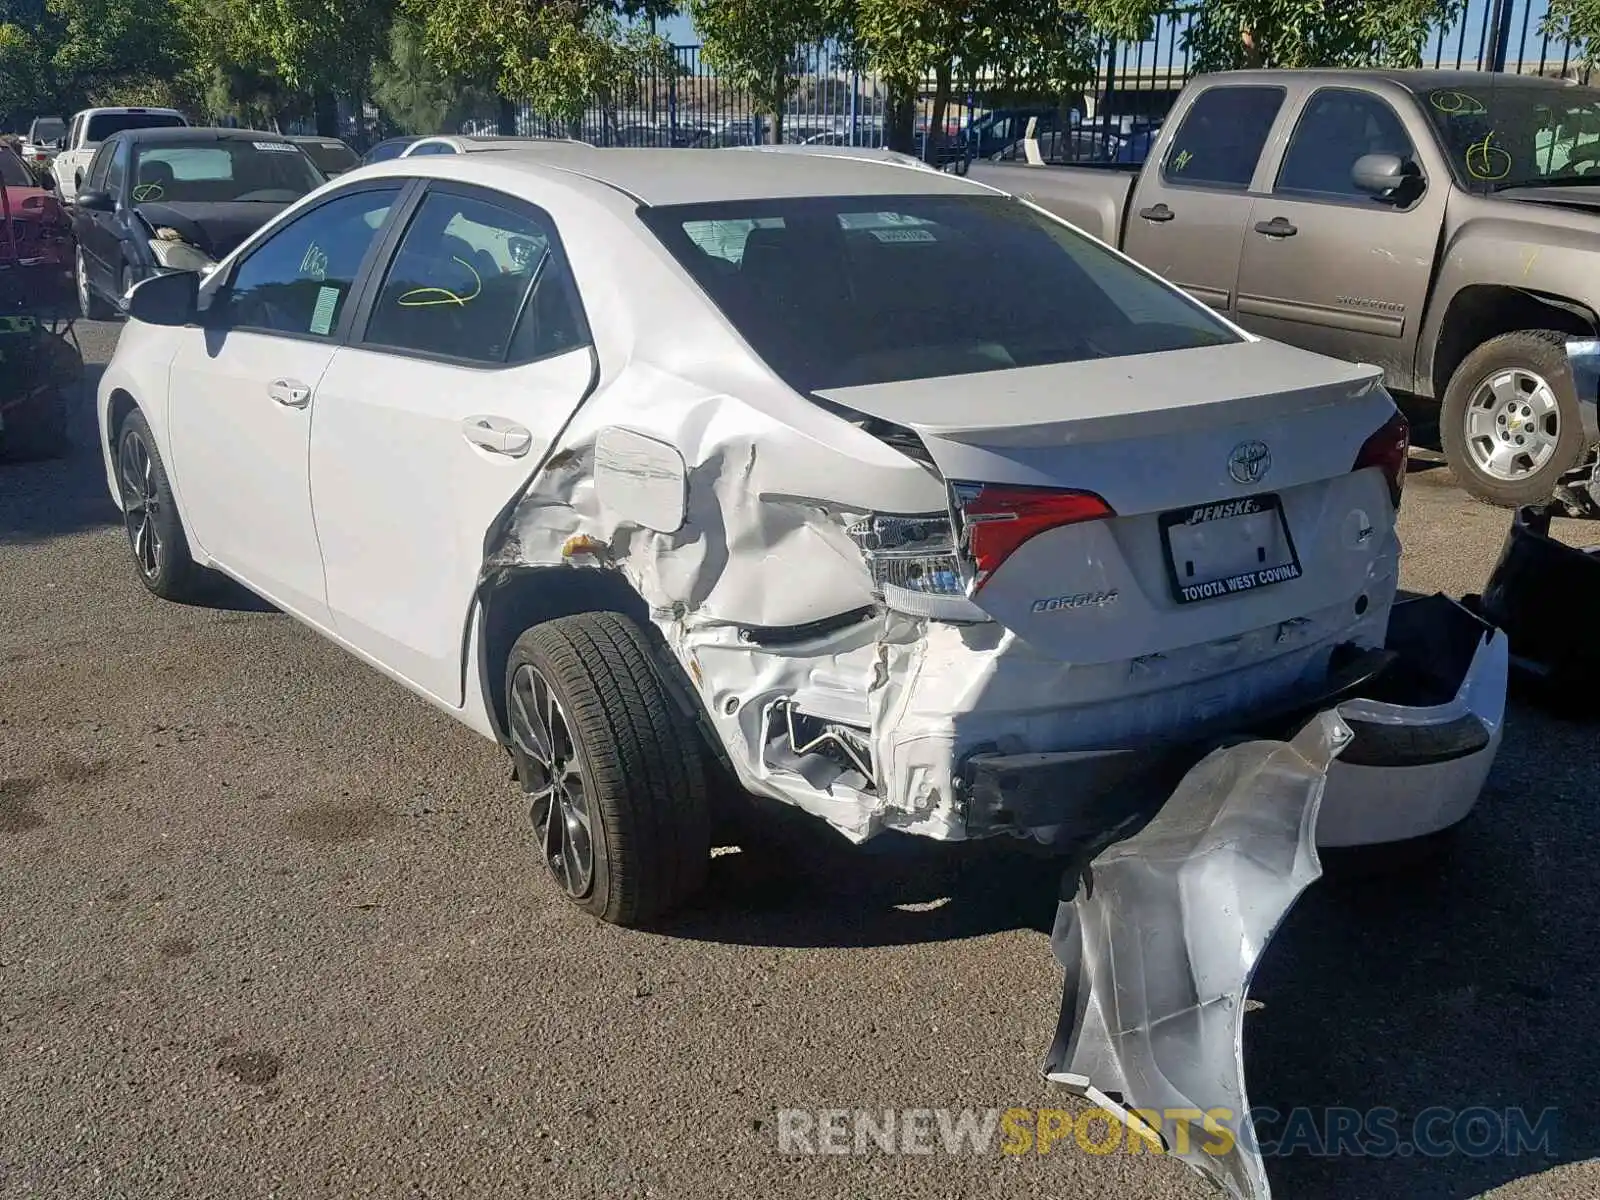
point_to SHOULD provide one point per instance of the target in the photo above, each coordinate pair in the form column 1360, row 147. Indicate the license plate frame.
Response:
column 1240, row 582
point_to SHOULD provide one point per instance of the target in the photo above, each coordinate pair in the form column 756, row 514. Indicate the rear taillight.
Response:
column 913, row 564
column 995, row 519
column 1386, row 449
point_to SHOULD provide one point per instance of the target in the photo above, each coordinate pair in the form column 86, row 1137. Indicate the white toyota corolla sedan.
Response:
column 858, row 486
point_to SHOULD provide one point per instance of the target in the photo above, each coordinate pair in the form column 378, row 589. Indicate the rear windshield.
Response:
column 13, row 173
column 222, row 172
column 331, row 157
column 846, row 290
column 47, row 129
column 103, row 125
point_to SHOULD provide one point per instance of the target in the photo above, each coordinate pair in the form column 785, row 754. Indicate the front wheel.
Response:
column 610, row 766
column 1510, row 423
column 155, row 534
column 90, row 304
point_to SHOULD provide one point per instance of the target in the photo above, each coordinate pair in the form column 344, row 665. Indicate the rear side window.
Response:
column 298, row 280
column 1222, row 137
column 103, row 125
column 477, row 281
column 839, row 291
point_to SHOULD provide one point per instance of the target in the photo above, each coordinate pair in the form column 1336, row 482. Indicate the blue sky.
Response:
column 680, row 30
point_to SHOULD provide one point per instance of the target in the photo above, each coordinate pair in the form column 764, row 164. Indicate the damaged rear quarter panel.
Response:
column 721, row 496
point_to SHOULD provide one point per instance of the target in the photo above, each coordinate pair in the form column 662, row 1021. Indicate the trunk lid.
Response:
column 1219, row 464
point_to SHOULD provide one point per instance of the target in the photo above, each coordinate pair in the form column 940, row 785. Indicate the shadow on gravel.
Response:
column 1456, row 990
column 60, row 496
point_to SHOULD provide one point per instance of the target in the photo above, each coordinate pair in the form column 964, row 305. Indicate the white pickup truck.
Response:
column 91, row 127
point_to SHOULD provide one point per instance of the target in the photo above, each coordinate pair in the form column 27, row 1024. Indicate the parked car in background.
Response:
column 38, row 236
column 474, row 144
column 1266, row 192
column 387, row 149
column 332, row 156
column 164, row 200
column 91, row 127
column 43, row 143
column 1070, row 146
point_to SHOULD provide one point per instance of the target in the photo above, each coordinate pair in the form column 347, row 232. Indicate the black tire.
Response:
column 90, row 303
column 1541, row 353
column 164, row 565
column 636, row 759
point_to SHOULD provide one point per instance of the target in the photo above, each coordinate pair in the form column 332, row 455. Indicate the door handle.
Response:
column 1157, row 212
column 1278, row 227
column 497, row 436
column 290, row 393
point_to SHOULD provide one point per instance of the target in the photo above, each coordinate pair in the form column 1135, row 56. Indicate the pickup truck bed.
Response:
column 1442, row 226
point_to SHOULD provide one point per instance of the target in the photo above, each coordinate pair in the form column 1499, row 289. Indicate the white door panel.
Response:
column 411, row 461
column 239, row 420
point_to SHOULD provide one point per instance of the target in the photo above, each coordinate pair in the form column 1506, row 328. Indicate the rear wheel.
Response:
column 1509, row 422
column 611, row 768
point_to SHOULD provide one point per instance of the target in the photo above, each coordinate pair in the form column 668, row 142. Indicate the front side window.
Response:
column 843, row 290
column 1221, row 137
column 223, row 172
column 1338, row 127
column 475, row 281
column 298, row 280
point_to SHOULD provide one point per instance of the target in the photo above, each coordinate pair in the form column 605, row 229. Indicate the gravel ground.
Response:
column 269, row 927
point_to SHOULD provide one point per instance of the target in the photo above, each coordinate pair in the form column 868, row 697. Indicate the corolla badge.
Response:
column 1249, row 462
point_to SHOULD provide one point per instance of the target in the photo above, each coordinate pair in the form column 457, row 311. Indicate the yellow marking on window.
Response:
column 1486, row 161
column 438, row 295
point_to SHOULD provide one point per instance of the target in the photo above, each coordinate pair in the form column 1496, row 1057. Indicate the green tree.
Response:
column 755, row 45
column 1232, row 34
column 560, row 55
column 414, row 94
column 1577, row 22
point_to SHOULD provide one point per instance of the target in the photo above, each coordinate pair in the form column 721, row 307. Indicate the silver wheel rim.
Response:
column 1512, row 424
column 141, row 505
column 557, row 789
column 83, row 284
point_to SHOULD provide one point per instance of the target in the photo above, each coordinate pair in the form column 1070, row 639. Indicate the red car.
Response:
column 38, row 232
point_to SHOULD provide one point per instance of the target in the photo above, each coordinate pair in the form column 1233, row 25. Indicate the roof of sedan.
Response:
column 198, row 133
column 1417, row 79
column 664, row 176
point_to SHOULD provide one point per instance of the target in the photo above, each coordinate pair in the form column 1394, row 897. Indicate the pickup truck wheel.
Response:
column 611, row 768
column 90, row 305
column 1510, row 423
column 156, row 539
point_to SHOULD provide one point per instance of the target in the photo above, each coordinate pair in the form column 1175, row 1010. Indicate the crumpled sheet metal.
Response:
column 1162, row 937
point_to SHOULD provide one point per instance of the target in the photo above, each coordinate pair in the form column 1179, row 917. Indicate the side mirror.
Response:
column 94, row 202
column 166, row 299
column 1380, row 173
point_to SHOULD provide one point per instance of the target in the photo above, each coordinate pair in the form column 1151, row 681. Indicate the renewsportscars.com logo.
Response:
column 1319, row 1133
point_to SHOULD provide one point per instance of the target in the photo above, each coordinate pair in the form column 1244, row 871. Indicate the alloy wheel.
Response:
column 141, row 503
column 1512, row 424
column 557, row 788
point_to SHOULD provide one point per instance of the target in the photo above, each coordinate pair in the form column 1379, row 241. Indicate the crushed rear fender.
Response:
column 1160, row 937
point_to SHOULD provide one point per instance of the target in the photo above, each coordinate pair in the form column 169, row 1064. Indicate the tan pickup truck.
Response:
column 1444, row 226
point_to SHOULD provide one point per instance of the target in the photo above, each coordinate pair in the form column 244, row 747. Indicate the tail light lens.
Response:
column 1386, row 449
column 995, row 519
column 914, row 566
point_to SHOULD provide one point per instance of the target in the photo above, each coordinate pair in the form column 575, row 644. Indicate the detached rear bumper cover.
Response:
column 1426, row 715
column 1162, row 937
